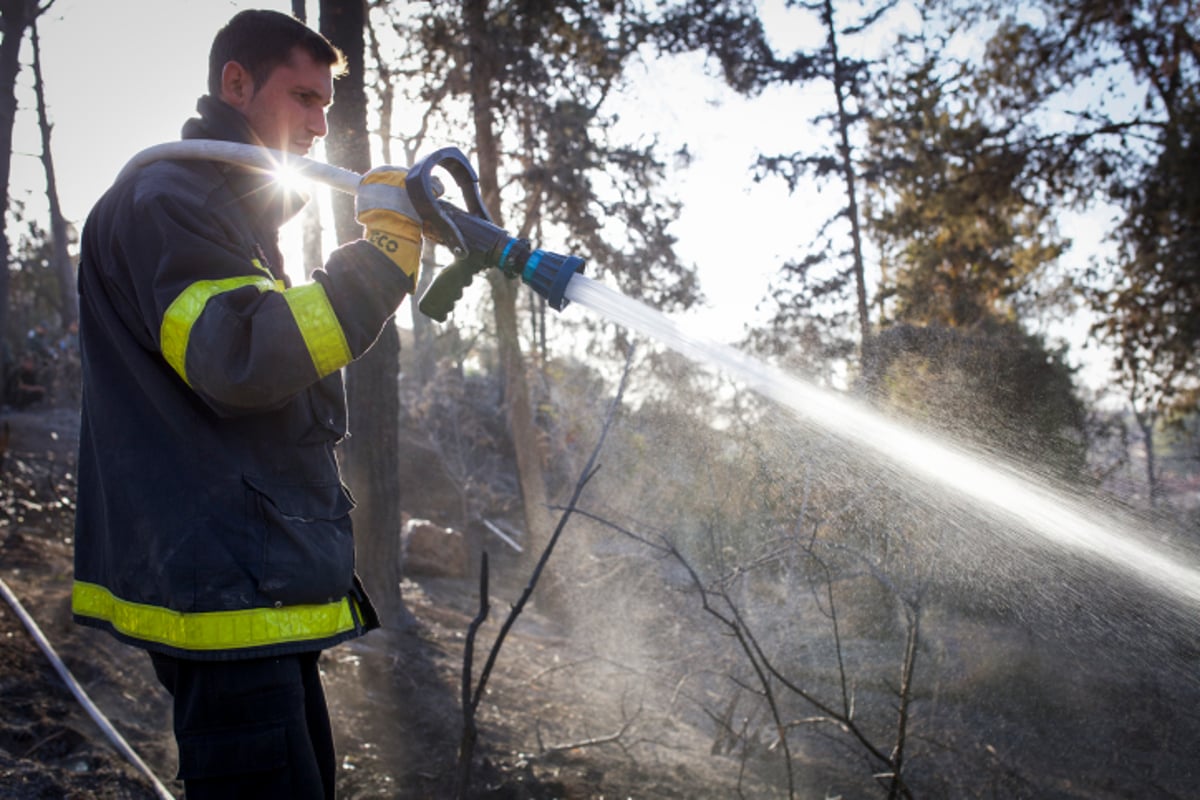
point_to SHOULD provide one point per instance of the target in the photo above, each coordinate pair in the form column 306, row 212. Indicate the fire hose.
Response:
column 476, row 242
column 90, row 707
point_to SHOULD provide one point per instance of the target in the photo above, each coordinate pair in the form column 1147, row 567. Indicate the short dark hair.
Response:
column 261, row 41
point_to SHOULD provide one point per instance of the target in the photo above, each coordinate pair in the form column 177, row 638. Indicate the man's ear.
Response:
column 237, row 87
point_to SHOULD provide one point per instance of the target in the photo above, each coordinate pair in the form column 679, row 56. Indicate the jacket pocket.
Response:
column 308, row 547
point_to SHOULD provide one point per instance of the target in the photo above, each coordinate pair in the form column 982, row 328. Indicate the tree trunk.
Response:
column 68, row 296
column 422, row 327
column 370, row 457
column 311, row 249
column 312, row 235
column 520, row 415
column 424, row 361
column 1146, row 421
column 504, row 290
column 845, row 153
column 15, row 16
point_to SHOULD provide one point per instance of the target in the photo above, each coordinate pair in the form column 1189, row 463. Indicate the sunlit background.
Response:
column 124, row 76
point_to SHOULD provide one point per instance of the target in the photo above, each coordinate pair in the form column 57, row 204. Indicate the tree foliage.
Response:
column 553, row 70
column 731, row 33
column 34, row 284
column 959, row 231
column 1153, row 303
column 1133, row 143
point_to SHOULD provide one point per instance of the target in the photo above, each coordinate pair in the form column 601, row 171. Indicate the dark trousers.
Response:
column 253, row 728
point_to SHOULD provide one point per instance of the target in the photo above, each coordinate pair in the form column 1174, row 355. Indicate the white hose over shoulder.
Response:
column 268, row 160
column 247, row 155
column 95, row 713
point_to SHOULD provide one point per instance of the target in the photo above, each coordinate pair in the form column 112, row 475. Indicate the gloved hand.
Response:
column 382, row 206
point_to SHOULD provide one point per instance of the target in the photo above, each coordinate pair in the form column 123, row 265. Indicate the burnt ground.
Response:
column 394, row 695
column 1079, row 712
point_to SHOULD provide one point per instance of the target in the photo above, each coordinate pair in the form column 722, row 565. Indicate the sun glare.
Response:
column 290, row 178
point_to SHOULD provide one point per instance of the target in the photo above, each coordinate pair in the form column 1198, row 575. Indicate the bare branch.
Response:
column 471, row 698
column 594, row 741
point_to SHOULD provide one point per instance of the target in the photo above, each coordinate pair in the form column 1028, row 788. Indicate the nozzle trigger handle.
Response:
column 419, row 183
column 447, row 288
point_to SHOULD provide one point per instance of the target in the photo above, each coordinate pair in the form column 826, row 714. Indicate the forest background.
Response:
column 935, row 208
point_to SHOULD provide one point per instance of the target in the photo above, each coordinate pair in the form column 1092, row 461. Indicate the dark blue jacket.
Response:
column 212, row 521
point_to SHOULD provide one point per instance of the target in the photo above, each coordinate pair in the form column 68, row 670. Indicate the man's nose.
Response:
column 317, row 124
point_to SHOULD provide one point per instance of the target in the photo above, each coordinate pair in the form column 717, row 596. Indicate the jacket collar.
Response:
column 265, row 199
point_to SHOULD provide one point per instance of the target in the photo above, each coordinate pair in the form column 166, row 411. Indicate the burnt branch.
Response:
column 718, row 604
column 471, row 697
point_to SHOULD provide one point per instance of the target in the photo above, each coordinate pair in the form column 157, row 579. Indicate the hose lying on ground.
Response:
column 97, row 716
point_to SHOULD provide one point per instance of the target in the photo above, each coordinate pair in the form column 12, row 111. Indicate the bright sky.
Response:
column 120, row 76
column 124, row 75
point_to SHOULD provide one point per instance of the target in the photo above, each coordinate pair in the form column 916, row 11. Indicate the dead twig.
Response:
column 471, row 698
column 470, row 732
column 593, row 741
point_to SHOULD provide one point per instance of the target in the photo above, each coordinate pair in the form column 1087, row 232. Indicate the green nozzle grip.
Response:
column 446, row 290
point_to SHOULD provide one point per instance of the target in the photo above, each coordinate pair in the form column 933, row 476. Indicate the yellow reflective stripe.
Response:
column 183, row 312
column 323, row 334
column 212, row 630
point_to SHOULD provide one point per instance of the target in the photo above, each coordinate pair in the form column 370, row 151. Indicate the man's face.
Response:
column 288, row 111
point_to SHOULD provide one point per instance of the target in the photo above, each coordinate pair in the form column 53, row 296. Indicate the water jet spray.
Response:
column 1002, row 491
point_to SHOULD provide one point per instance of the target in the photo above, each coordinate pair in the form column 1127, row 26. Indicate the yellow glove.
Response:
column 382, row 206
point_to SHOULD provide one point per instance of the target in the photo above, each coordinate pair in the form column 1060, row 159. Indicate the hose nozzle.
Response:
column 476, row 242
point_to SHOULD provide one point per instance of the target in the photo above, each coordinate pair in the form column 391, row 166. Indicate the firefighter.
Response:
column 213, row 528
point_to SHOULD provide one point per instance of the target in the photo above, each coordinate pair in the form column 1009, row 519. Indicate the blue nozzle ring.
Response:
column 549, row 273
column 558, row 288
